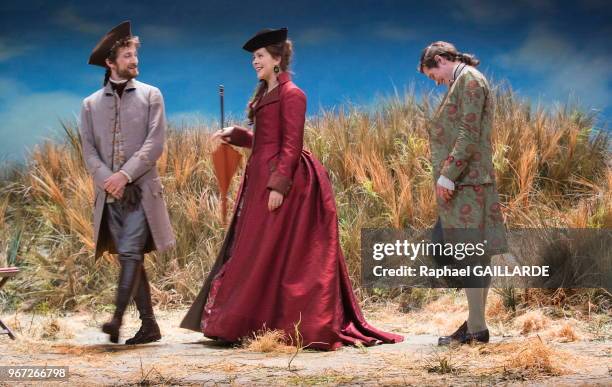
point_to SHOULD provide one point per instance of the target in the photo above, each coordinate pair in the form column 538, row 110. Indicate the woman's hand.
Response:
column 222, row 134
column 275, row 200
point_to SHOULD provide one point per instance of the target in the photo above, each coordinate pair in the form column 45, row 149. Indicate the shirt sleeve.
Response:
column 446, row 182
column 126, row 175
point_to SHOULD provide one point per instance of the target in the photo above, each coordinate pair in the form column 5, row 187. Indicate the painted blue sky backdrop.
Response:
column 345, row 51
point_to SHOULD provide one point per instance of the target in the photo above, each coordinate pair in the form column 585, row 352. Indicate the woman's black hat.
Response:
column 265, row 38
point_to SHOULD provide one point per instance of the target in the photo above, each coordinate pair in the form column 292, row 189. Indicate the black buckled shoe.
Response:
column 457, row 336
column 482, row 336
column 148, row 333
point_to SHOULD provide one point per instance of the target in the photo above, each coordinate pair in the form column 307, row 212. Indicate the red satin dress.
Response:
column 277, row 269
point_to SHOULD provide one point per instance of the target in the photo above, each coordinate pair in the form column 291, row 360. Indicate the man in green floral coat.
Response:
column 462, row 159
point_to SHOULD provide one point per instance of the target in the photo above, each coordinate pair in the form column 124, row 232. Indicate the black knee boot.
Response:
column 130, row 269
column 149, row 330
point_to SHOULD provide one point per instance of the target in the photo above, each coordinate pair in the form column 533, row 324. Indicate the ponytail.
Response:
column 259, row 90
column 468, row 59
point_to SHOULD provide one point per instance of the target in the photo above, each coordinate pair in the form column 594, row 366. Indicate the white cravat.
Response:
column 121, row 82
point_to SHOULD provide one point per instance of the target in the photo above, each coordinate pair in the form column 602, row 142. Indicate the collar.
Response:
column 272, row 96
column 284, row 77
column 459, row 67
column 108, row 88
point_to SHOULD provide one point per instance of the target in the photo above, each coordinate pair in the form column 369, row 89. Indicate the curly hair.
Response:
column 128, row 41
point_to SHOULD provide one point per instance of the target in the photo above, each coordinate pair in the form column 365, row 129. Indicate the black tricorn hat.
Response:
column 102, row 49
column 265, row 38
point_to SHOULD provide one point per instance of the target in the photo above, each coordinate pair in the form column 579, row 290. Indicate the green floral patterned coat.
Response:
column 461, row 150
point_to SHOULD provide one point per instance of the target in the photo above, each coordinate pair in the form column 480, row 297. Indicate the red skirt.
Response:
column 285, row 269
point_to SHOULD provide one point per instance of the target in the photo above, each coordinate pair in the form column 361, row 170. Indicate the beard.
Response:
column 128, row 73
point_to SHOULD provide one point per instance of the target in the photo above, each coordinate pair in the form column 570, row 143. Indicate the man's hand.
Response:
column 275, row 200
column 115, row 184
column 119, row 194
column 444, row 193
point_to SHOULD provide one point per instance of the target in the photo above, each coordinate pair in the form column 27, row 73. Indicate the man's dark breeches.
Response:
column 130, row 232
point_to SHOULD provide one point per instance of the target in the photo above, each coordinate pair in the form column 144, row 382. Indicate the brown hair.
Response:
column 128, row 41
column 284, row 51
column 445, row 50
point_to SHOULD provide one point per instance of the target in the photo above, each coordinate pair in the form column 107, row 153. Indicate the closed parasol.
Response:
column 225, row 161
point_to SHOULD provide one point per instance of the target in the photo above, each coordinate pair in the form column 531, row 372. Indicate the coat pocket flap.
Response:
column 156, row 186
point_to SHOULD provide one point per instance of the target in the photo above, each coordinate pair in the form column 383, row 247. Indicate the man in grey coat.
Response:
column 122, row 133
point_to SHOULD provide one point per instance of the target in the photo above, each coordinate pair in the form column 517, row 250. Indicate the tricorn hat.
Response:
column 265, row 38
column 102, row 50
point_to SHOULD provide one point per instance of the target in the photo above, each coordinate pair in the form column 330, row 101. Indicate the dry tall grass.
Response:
column 553, row 169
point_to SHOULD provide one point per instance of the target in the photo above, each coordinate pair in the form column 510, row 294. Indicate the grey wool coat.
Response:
column 141, row 118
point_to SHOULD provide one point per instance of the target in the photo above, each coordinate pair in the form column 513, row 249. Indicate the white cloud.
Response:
column 562, row 68
column 158, row 33
column 69, row 18
column 482, row 11
column 9, row 51
column 317, row 35
column 28, row 118
column 495, row 12
column 395, row 32
column 8, row 87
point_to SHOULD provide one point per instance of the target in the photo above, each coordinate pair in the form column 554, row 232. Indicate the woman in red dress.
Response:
column 281, row 263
